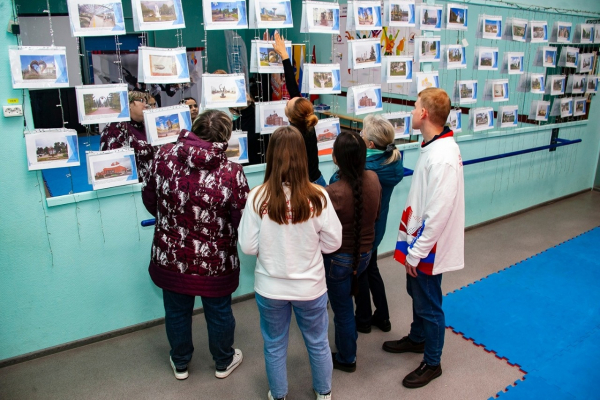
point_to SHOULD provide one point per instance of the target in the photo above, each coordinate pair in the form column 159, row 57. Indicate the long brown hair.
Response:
column 287, row 163
column 302, row 114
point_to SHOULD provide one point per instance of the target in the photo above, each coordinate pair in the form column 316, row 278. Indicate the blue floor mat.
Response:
column 542, row 314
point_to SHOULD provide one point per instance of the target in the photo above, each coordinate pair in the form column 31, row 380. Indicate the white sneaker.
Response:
column 179, row 373
column 238, row 357
column 323, row 396
column 270, row 396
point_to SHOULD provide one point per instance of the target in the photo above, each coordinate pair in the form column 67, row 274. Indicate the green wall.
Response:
column 80, row 269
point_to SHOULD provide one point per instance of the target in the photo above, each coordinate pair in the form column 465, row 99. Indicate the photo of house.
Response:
column 274, row 119
column 114, row 168
column 366, row 101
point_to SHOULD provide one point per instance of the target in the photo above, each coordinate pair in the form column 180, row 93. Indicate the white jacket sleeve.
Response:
column 249, row 228
column 330, row 236
column 442, row 187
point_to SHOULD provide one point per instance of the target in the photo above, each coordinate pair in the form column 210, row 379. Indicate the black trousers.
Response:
column 370, row 284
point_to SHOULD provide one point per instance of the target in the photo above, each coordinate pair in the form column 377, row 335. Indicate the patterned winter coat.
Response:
column 197, row 196
column 130, row 134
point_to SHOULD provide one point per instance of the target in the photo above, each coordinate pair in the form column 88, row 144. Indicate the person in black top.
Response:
column 300, row 113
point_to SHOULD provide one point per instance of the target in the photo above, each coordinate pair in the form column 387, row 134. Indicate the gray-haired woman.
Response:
column 386, row 161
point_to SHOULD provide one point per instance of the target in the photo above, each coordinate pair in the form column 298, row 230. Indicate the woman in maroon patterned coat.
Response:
column 197, row 197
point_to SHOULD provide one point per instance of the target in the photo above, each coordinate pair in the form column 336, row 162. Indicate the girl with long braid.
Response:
column 356, row 198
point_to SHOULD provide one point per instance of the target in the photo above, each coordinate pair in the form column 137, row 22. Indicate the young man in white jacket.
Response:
column 431, row 236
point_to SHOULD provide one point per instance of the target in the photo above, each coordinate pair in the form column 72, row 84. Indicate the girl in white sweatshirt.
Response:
column 288, row 222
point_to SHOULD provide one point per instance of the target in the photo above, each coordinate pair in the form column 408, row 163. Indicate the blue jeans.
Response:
column 312, row 318
column 321, row 181
column 429, row 324
column 338, row 273
column 219, row 321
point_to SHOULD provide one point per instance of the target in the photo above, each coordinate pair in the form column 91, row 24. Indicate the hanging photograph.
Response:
column 51, row 148
column 428, row 49
column 508, row 116
column 555, row 85
column 562, row 107
column 237, row 148
column 481, row 119
column 586, row 62
column 102, row 103
column 321, row 79
column 320, row 17
column 465, row 92
column 456, row 17
column 221, row 15
column 157, row 15
column 270, row 116
column 538, row 31
column 597, row 33
column 402, row 123
column 537, row 83
column 454, row 120
column 584, row 33
column 516, row 29
column 364, row 99
column 364, row 53
column 111, row 168
column 496, row 90
column 513, row 63
column 592, row 84
column 579, row 106
column 491, row 26
column 364, row 16
column 398, row 13
column 164, row 124
column 539, row 110
column 545, row 57
column 158, row 65
column 223, row 90
column 327, row 130
column 569, row 57
column 38, row 67
column 264, row 59
column 96, row 17
column 397, row 69
column 270, row 14
column 486, row 58
column 561, row 32
column 576, row 84
column 454, row 57
column 424, row 80
column 430, row 17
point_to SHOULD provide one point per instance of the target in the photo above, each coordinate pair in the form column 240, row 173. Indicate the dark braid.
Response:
column 350, row 153
column 357, row 192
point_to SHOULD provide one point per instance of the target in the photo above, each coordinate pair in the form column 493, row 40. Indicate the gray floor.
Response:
column 135, row 366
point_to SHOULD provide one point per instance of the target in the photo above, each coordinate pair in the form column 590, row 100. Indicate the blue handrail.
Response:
column 408, row 172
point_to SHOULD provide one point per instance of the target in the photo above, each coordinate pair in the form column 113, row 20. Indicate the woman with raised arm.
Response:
column 356, row 197
column 300, row 113
column 288, row 223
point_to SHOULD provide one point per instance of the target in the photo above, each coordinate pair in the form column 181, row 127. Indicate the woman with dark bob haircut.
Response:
column 197, row 197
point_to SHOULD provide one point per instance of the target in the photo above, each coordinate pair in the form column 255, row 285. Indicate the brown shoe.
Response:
column 422, row 376
column 404, row 345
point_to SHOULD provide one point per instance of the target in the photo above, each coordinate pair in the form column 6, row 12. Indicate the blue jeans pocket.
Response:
column 340, row 268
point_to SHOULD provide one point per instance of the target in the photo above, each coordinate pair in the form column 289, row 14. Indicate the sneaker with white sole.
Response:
column 180, row 373
column 238, row 357
column 323, row 396
column 270, row 397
